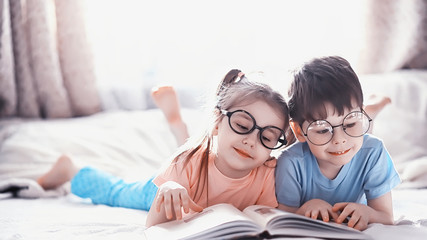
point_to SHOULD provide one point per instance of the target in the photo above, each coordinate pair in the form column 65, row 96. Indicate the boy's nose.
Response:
column 339, row 136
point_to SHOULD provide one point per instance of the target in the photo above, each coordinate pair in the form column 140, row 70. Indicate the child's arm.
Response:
column 171, row 198
column 287, row 208
column 379, row 210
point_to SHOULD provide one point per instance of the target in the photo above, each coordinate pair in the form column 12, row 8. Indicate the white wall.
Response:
column 190, row 42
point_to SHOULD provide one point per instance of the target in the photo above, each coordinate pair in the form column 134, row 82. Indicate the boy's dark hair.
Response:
column 323, row 80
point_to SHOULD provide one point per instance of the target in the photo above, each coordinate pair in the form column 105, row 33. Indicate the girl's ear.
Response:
column 296, row 129
column 215, row 130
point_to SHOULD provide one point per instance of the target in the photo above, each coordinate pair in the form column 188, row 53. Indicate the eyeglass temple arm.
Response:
column 364, row 112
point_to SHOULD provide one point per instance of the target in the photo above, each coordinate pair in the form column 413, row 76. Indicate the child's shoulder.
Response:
column 296, row 148
column 294, row 152
column 372, row 148
column 370, row 141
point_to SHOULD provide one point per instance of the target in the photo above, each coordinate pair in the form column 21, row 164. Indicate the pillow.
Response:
column 402, row 124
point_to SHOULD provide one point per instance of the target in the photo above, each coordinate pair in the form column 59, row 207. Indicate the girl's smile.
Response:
column 242, row 153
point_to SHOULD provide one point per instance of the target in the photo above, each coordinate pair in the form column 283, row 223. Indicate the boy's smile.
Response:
column 339, row 153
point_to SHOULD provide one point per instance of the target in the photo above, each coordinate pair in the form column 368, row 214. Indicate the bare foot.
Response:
column 166, row 99
column 375, row 104
column 61, row 172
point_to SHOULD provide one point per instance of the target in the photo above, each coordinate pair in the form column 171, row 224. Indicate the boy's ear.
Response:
column 296, row 129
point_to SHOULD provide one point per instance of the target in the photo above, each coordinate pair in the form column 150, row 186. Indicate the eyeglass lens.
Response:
column 355, row 124
column 242, row 122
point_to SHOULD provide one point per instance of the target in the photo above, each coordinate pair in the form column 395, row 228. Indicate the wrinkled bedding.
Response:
column 130, row 144
column 70, row 217
column 134, row 144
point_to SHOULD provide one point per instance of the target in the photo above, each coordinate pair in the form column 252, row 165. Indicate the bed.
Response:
column 134, row 143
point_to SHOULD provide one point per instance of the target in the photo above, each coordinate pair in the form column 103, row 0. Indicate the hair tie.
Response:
column 240, row 75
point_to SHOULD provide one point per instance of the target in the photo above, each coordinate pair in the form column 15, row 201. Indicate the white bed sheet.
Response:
column 70, row 217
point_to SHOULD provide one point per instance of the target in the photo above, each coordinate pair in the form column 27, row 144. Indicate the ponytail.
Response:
column 231, row 77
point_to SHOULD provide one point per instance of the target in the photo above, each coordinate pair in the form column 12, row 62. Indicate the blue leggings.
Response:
column 104, row 188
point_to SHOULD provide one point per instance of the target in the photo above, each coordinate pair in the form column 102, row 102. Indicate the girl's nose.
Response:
column 251, row 138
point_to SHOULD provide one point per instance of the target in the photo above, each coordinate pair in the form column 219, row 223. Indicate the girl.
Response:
column 231, row 163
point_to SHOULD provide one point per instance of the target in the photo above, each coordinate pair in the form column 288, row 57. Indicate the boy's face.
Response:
column 341, row 148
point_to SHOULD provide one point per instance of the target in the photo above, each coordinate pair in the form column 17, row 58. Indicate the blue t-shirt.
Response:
column 369, row 175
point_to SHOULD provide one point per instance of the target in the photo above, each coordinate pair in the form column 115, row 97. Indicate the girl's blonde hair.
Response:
column 235, row 89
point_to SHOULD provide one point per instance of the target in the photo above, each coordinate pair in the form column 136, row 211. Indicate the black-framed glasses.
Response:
column 355, row 124
column 242, row 122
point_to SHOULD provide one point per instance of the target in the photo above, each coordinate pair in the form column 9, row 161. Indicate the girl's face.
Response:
column 340, row 149
column 238, row 154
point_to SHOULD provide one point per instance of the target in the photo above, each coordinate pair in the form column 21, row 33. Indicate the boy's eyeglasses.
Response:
column 355, row 124
column 242, row 122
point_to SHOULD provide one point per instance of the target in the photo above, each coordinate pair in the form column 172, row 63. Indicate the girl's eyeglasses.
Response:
column 355, row 124
column 242, row 122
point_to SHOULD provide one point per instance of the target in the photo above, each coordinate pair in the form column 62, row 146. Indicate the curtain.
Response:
column 46, row 68
column 395, row 35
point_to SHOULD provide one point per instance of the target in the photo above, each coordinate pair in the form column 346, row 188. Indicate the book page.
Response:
column 281, row 223
column 261, row 214
column 213, row 222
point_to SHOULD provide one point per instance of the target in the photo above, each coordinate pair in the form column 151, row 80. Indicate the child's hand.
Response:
column 317, row 208
column 359, row 214
column 172, row 197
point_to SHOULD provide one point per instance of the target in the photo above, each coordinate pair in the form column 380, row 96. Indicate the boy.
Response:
column 336, row 170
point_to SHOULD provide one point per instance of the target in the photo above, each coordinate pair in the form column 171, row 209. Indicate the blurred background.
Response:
column 194, row 43
column 92, row 55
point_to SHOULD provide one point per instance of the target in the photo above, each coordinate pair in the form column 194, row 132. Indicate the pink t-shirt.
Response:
column 257, row 188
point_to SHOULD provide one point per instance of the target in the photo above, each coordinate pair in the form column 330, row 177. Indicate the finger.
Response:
column 159, row 202
column 339, row 206
column 168, row 206
column 195, row 207
column 325, row 215
column 353, row 220
column 333, row 215
column 176, row 200
column 314, row 214
column 185, row 202
column 307, row 214
column 346, row 212
column 341, row 218
column 361, row 225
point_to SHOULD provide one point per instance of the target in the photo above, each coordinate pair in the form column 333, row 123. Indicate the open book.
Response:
column 224, row 221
